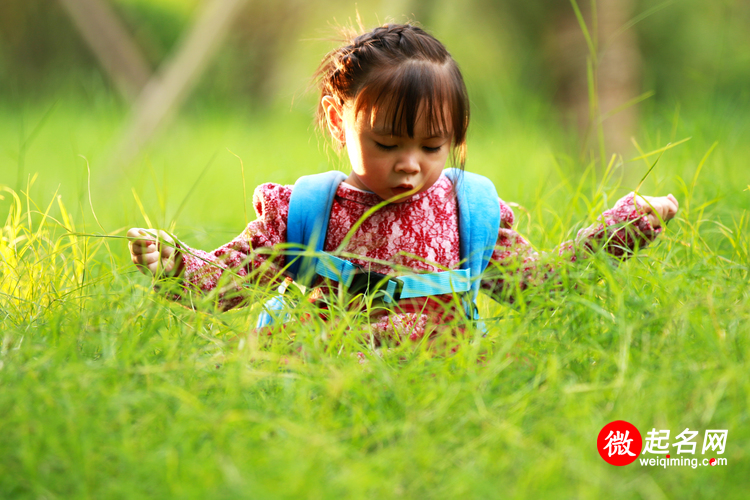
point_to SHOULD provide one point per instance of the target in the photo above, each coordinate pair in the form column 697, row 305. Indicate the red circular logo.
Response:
column 619, row 443
column 712, row 462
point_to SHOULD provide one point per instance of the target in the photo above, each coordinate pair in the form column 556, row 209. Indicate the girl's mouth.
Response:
column 403, row 188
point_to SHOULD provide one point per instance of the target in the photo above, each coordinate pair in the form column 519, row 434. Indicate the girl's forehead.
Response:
column 384, row 121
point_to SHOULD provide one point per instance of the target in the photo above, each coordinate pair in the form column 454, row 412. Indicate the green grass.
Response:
column 110, row 391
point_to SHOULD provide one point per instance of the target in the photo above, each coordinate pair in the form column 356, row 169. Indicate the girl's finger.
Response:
column 166, row 251
column 145, row 258
column 673, row 200
column 138, row 234
column 654, row 220
column 670, row 207
column 645, row 203
column 134, row 232
column 151, row 257
column 141, row 247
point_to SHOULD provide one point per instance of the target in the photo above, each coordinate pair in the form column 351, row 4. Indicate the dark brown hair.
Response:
column 402, row 70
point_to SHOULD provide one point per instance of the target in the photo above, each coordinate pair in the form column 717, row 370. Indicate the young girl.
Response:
column 395, row 98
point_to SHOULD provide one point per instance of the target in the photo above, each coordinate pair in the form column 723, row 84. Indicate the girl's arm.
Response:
column 632, row 223
column 247, row 259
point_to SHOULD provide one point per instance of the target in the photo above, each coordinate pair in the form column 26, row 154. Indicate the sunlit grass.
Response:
column 109, row 390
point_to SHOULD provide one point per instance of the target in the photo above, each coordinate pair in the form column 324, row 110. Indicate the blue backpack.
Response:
column 307, row 225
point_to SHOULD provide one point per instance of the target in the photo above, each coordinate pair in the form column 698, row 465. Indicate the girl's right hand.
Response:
column 154, row 252
column 658, row 208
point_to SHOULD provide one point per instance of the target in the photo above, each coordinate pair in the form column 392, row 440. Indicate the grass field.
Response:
column 107, row 390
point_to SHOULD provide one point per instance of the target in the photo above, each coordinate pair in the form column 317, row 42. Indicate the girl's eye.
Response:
column 432, row 150
column 384, row 147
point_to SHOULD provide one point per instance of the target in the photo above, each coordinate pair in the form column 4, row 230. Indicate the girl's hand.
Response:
column 658, row 208
column 154, row 252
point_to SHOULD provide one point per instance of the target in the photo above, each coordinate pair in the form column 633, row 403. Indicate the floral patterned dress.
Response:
column 420, row 234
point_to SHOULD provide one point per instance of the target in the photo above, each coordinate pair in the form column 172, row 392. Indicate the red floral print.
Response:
column 420, row 235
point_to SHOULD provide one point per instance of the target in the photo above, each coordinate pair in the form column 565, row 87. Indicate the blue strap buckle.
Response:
column 369, row 282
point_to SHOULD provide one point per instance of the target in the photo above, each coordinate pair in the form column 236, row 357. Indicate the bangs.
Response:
column 414, row 90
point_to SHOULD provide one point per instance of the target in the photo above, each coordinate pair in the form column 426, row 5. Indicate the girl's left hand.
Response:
column 658, row 208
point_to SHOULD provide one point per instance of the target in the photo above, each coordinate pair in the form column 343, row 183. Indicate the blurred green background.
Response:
column 110, row 391
column 524, row 63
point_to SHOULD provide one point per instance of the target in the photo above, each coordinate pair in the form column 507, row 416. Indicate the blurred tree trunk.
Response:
column 155, row 97
column 618, row 71
column 265, row 33
column 166, row 91
column 111, row 43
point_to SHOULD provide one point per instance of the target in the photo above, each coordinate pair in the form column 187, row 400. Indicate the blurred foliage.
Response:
column 689, row 47
column 36, row 42
column 694, row 48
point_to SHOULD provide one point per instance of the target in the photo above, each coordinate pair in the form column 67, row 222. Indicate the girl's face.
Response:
column 386, row 164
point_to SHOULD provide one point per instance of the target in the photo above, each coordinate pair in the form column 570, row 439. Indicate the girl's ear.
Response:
column 334, row 114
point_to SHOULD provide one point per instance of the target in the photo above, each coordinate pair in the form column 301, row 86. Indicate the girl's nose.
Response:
column 408, row 164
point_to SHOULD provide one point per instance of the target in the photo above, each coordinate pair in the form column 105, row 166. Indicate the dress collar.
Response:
column 351, row 193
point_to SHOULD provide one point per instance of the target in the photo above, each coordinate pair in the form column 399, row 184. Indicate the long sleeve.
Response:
column 619, row 232
column 243, row 259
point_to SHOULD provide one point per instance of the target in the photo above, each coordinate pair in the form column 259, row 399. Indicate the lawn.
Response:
column 111, row 391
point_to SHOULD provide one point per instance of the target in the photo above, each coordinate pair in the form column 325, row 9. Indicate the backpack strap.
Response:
column 478, row 225
column 478, row 222
column 307, row 223
column 391, row 288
